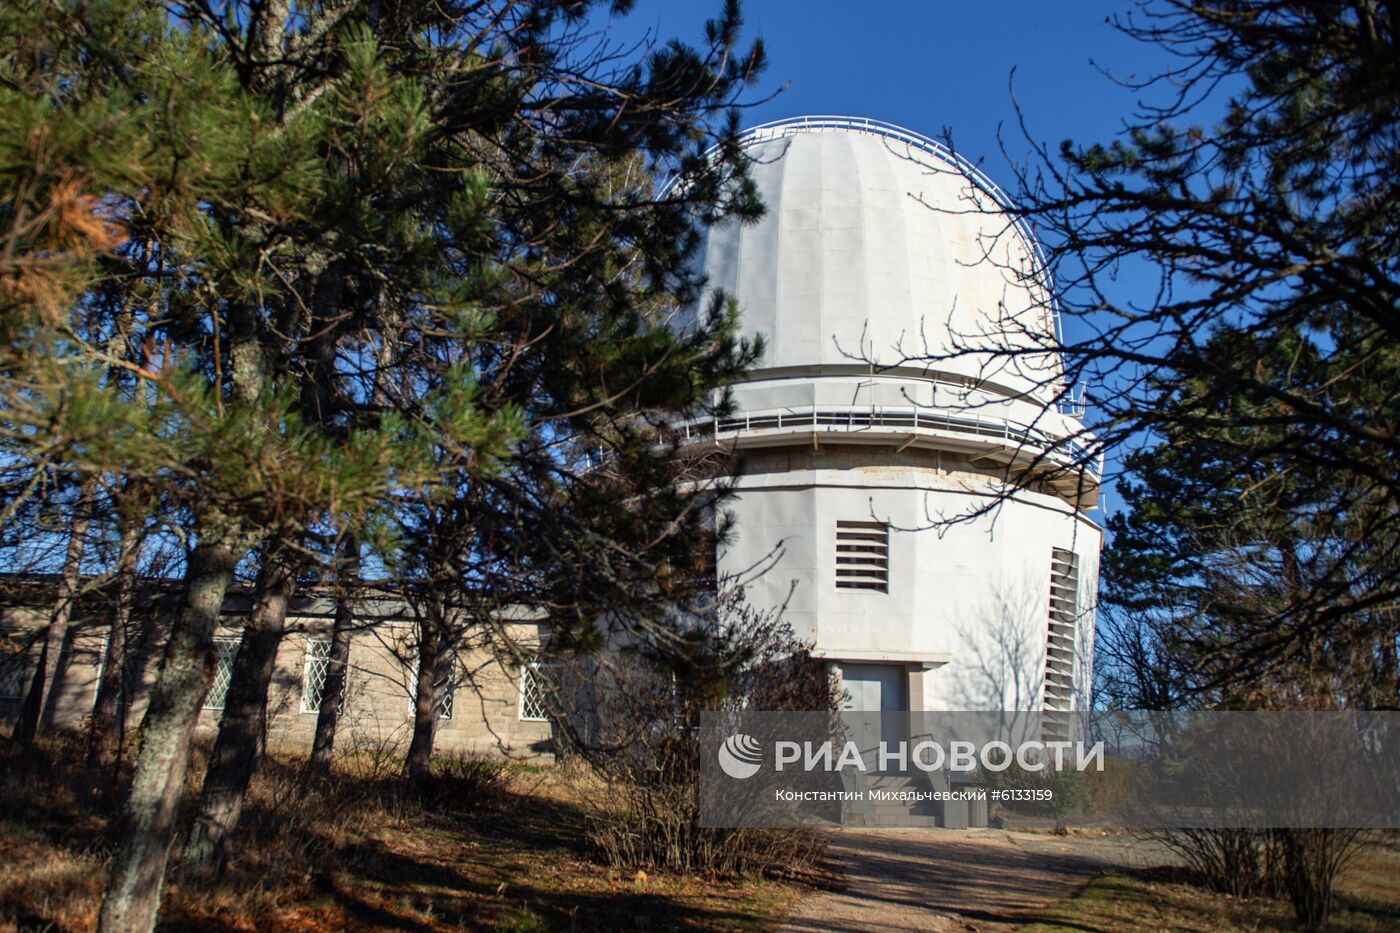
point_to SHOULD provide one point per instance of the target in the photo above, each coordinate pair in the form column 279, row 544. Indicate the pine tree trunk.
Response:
column 108, row 727
column 418, row 766
column 132, row 899
column 236, row 749
column 337, row 667
column 318, row 409
column 38, row 698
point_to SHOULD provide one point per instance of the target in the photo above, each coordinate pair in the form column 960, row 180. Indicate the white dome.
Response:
column 877, row 243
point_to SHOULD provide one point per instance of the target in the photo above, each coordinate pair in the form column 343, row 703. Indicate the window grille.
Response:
column 863, row 556
column 315, row 672
column 226, row 650
column 534, row 692
column 1060, row 640
column 445, row 702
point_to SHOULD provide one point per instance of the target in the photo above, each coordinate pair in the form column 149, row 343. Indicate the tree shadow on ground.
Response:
column 343, row 854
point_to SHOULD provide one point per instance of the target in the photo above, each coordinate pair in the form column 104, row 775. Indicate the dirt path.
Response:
column 952, row 880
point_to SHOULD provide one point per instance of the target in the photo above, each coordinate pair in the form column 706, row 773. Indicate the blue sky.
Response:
column 935, row 64
column 939, row 66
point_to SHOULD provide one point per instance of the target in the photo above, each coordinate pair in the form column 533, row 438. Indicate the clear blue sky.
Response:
column 939, row 65
column 935, row 64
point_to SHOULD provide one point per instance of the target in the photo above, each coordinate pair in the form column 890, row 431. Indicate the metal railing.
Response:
column 1064, row 450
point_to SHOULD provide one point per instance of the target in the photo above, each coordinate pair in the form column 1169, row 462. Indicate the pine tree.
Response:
column 1267, row 334
column 303, row 235
column 1228, row 559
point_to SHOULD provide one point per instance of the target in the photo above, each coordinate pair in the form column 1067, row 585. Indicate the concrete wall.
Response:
column 967, row 605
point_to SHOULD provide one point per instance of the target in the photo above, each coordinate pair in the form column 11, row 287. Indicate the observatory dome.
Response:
column 878, row 244
column 889, row 279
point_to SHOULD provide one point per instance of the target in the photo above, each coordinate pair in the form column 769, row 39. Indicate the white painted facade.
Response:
column 879, row 246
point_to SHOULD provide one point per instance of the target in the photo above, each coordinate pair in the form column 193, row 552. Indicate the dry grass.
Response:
column 485, row 848
column 1367, row 901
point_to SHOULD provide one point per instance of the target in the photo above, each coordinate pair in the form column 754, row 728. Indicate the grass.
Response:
column 1367, row 901
column 481, row 853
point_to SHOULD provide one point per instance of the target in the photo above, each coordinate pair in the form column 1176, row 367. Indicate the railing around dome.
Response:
column 777, row 129
column 1065, row 451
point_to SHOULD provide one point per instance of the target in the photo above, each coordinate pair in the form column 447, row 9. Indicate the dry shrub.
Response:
column 1237, row 862
column 471, row 782
column 303, row 817
column 372, row 751
column 1299, row 864
column 1312, row 860
column 477, row 775
column 58, row 819
column 639, row 790
column 655, row 825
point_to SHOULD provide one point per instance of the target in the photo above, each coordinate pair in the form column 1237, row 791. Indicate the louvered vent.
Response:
column 863, row 556
column 1060, row 641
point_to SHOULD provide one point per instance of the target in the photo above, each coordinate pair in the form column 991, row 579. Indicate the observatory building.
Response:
column 909, row 477
column 903, row 387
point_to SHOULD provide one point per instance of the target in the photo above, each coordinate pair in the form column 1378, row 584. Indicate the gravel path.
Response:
column 954, row 880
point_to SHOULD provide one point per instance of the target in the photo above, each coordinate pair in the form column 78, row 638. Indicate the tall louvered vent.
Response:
column 1060, row 641
column 863, row 556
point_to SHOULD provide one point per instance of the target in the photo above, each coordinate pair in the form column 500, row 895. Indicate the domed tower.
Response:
column 876, row 437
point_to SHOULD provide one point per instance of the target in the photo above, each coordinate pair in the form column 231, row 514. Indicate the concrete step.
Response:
column 905, row 819
column 891, row 806
column 887, row 781
column 890, row 819
column 893, row 812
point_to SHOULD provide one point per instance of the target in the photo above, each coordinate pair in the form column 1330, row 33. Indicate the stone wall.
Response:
column 485, row 710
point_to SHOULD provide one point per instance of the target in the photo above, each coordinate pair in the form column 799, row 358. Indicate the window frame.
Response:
column 226, row 651
column 531, row 668
column 307, row 659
